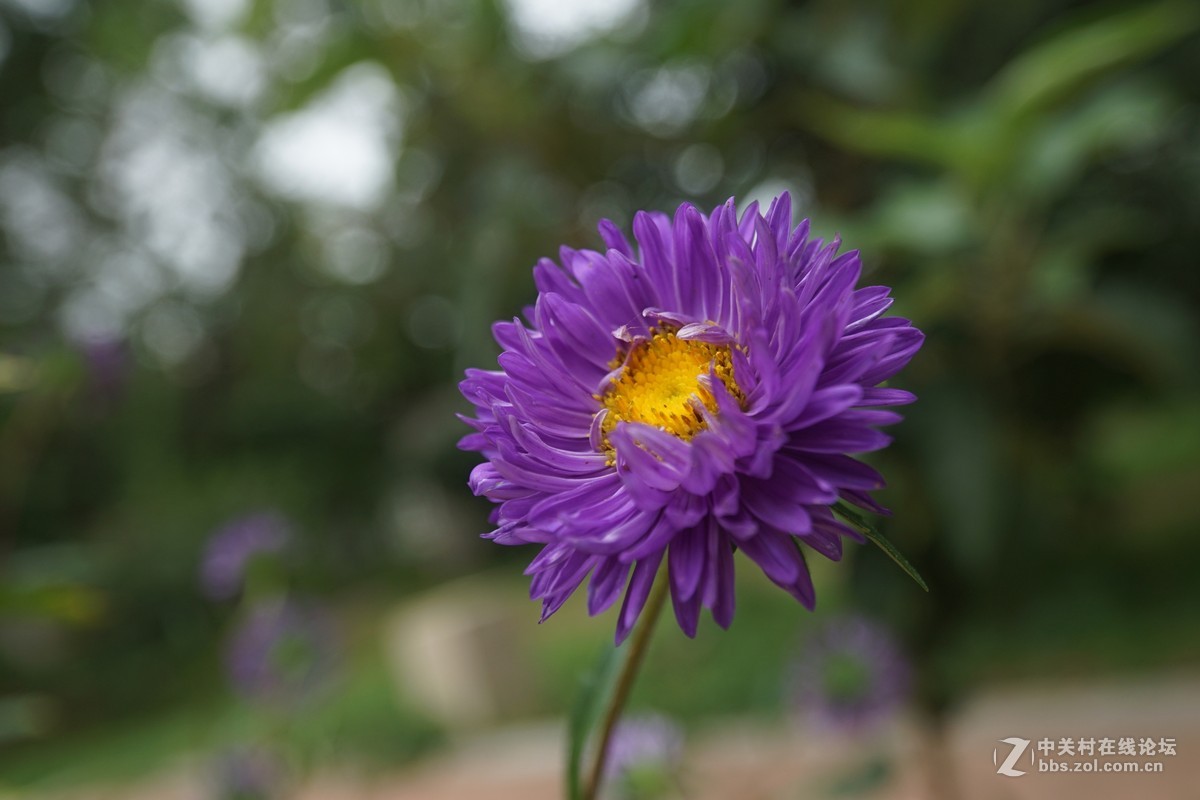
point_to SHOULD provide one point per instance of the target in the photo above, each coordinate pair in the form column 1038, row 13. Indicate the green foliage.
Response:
column 590, row 702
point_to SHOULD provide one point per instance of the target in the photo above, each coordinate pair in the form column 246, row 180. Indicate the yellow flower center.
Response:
column 660, row 384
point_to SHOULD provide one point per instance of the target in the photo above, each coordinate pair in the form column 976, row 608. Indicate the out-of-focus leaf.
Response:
column 883, row 133
column 16, row 373
column 589, row 705
column 1051, row 71
column 982, row 143
column 1134, row 442
column 928, row 218
column 957, row 435
column 1147, row 333
column 1149, row 456
column 24, row 716
column 78, row 605
column 1128, row 116
column 1071, row 250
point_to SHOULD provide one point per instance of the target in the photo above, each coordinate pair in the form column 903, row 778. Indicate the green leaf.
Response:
column 74, row 605
column 858, row 521
column 1053, row 70
column 589, row 705
column 17, row 373
column 978, row 142
column 884, row 133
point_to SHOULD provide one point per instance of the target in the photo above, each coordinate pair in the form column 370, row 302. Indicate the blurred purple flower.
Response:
column 643, row 747
column 282, row 651
column 106, row 363
column 247, row 774
column 851, row 675
column 231, row 548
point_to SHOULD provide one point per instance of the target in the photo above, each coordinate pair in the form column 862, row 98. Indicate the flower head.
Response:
column 676, row 400
column 850, row 675
column 107, row 364
column 644, row 754
column 282, row 650
column 247, row 774
column 231, row 548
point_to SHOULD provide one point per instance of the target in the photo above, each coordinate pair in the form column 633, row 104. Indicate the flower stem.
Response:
column 616, row 704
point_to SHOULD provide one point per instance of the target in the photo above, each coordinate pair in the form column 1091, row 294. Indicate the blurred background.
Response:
column 247, row 248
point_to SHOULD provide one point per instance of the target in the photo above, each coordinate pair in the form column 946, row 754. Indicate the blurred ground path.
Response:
column 742, row 760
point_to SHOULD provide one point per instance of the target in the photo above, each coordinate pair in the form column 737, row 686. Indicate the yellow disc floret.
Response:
column 663, row 381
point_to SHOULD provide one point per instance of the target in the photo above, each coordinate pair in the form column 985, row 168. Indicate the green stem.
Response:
column 616, row 703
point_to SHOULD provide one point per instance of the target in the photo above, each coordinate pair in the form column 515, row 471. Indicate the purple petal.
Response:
column 656, row 539
column 842, row 470
column 687, row 611
column 721, row 561
column 549, row 279
column 826, row 403
column 838, row 436
column 886, row 397
column 776, row 554
column 614, row 239
column 824, row 542
column 686, row 561
column 650, row 456
column 568, row 324
column 651, row 232
column 605, row 587
column 635, row 597
column 612, row 286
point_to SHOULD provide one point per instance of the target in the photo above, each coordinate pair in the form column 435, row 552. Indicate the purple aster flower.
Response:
column 282, row 650
column 644, row 755
column 674, row 400
column 231, row 548
column 106, row 361
column 247, row 774
column 851, row 675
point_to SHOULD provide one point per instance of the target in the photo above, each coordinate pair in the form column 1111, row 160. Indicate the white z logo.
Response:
column 1018, row 749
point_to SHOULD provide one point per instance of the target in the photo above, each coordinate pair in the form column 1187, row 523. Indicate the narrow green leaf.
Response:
column 589, row 705
column 880, row 541
column 886, row 133
column 1052, row 70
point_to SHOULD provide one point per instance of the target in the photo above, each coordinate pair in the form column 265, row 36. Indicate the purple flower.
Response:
column 643, row 750
column 682, row 398
column 247, row 774
column 231, row 548
column 106, row 361
column 282, row 650
column 851, row 675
